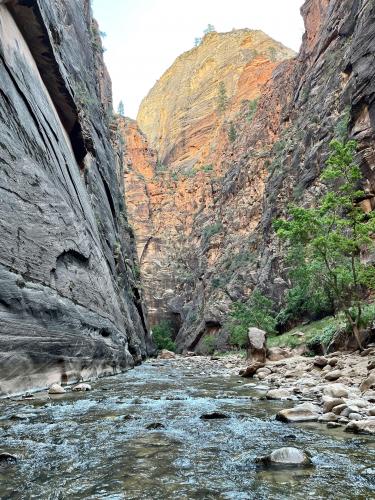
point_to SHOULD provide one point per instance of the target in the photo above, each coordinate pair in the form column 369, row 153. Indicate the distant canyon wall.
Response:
column 218, row 178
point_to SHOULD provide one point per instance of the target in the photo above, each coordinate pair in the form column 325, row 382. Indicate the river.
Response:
column 96, row 445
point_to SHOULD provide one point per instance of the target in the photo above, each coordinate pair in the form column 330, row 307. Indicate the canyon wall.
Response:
column 70, row 302
column 220, row 182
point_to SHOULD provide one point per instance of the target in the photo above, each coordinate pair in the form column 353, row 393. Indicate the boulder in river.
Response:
column 7, row 458
column 281, row 393
column 306, row 412
column 336, row 391
column 250, row 370
column 361, row 427
column 320, row 361
column 256, row 351
column 214, row 415
column 155, row 425
column 82, row 387
column 56, row 389
column 288, row 456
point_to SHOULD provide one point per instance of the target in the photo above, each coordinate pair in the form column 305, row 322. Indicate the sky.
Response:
column 144, row 37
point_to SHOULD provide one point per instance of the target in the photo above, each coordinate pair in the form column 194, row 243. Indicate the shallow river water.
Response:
column 96, row 445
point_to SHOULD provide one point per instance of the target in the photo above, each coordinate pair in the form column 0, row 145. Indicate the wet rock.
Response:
column 333, row 425
column 8, row 458
column 332, row 376
column 165, row 354
column 336, row 391
column 329, row 403
column 361, row 427
column 368, row 383
column 333, row 361
column 256, row 351
column 320, row 361
column 279, row 394
column 306, row 412
column 288, row 456
column 337, row 410
column 155, row 425
column 214, row 415
column 56, row 389
column 355, row 416
column 82, row 387
column 250, row 370
column 328, row 417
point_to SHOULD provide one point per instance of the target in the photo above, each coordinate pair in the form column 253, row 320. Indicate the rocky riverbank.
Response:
column 337, row 390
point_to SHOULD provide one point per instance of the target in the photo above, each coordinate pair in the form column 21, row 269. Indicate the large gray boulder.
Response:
column 288, row 456
column 256, row 351
column 305, row 412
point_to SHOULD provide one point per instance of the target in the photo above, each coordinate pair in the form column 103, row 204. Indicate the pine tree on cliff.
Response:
column 222, row 97
column 121, row 109
column 210, row 28
column 331, row 237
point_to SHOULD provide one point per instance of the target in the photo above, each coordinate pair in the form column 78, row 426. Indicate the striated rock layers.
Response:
column 212, row 206
column 70, row 305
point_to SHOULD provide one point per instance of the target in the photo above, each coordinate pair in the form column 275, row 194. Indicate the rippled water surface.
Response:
column 96, row 445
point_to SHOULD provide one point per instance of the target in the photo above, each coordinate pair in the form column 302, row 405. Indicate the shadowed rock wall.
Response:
column 70, row 306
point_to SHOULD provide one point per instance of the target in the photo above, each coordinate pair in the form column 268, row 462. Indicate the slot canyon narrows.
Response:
column 187, row 294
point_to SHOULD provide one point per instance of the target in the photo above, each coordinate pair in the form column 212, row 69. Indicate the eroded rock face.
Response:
column 215, row 198
column 69, row 300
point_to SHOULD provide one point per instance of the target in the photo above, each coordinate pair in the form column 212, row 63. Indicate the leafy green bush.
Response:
column 257, row 312
column 232, row 134
column 212, row 229
column 252, row 108
column 207, row 168
column 162, row 336
column 209, row 343
column 333, row 235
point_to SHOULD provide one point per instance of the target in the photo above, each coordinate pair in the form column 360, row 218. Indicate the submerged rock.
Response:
column 155, row 425
column 288, row 456
column 7, row 458
column 56, row 389
column 214, row 415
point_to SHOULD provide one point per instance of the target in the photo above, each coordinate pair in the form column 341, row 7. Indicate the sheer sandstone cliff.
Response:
column 70, row 306
column 212, row 223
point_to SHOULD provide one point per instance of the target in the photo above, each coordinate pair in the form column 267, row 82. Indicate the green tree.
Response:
column 210, row 28
column 121, row 109
column 333, row 235
column 232, row 134
column 162, row 336
column 222, row 97
column 197, row 41
column 257, row 312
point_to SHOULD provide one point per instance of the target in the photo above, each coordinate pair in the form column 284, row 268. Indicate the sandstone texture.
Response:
column 221, row 178
column 70, row 305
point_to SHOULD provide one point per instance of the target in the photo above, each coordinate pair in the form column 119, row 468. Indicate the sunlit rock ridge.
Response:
column 217, row 176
